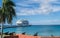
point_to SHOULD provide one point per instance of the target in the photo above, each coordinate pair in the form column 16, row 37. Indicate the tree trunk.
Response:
column 1, row 30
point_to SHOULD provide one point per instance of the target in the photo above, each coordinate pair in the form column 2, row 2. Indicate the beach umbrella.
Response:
column 7, row 14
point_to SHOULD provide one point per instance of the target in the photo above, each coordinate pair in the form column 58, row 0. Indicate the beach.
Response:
column 29, row 36
column 43, row 31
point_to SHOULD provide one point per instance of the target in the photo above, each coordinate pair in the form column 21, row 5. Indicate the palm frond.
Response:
column 8, row 11
column 9, row 19
column 10, row 3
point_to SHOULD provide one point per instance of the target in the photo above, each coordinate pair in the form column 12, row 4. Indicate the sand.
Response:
column 29, row 36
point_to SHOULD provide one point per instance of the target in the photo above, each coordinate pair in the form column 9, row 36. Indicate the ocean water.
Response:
column 43, row 30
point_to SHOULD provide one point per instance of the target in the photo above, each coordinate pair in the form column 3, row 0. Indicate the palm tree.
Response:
column 2, row 19
column 9, row 10
column 7, row 14
column 0, row 14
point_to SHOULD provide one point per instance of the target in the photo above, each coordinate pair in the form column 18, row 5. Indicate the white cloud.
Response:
column 47, row 22
column 55, row 9
column 45, row 7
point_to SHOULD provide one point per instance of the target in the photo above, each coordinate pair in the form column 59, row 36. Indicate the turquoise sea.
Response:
column 43, row 30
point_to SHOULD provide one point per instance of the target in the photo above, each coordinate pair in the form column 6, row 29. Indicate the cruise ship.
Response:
column 22, row 22
column 19, row 23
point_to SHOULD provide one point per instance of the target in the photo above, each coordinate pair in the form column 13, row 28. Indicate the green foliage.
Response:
column 7, row 11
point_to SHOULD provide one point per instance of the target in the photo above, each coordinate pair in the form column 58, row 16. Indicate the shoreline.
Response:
column 37, row 35
column 29, row 36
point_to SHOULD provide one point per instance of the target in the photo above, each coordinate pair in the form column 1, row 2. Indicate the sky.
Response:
column 38, row 12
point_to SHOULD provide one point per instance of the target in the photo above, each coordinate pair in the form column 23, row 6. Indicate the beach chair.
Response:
column 0, row 33
column 36, row 34
column 24, row 33
column 6, row 33
column 11, row 37
column 52, row 35
column 12, row 33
